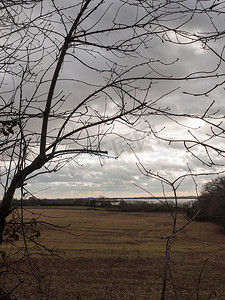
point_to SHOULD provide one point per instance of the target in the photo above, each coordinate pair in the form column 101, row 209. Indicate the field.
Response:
column 120, row 256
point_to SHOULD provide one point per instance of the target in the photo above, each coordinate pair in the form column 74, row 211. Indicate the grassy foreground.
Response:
column 120, row 256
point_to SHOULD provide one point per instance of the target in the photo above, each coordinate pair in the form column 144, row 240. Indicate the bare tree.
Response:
column 73, row 74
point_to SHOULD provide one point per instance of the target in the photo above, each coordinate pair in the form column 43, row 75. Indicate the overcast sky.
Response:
column 119, row 175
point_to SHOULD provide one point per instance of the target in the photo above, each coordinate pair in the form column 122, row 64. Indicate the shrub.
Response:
column 211, row 202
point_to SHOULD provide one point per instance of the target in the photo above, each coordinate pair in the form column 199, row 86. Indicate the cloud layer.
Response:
column 146, row 149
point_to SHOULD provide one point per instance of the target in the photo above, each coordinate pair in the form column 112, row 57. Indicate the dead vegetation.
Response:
column 118, row 255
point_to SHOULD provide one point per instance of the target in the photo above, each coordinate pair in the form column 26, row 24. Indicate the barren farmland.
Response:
column 118, row 255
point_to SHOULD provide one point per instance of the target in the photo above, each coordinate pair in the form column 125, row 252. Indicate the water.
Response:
column 154, row 200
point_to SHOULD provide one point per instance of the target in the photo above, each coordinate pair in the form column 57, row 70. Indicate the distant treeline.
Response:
column 126, row 204
column 33, row 201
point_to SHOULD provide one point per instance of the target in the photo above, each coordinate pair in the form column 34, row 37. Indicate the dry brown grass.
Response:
column 117, row 255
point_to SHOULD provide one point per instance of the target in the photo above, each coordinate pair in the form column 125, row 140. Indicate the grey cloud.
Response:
column 118, row 176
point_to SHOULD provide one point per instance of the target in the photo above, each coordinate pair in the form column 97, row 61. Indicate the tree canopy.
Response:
column 211, row 202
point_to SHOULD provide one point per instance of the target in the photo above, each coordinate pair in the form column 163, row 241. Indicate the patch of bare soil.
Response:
column 118, row 279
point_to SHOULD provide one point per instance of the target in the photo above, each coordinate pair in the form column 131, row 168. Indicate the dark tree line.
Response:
column 210, row 204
